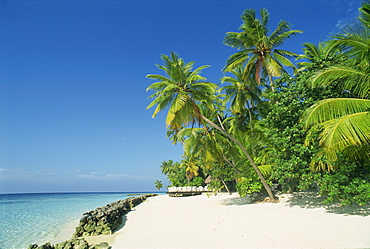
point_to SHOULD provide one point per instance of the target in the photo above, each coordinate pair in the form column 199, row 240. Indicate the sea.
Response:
column 38, row 218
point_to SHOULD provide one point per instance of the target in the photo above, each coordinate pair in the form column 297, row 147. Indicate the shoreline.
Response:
column 99, row 221
column 67, row 231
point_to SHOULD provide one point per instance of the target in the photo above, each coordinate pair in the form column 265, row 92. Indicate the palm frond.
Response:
column 358, row 80
column 284, row 61
column 236, row 60
column 329, row 109
column 233, row 40
column 265, row 17
column 348, row 130
column 365, row 13
column 283, row 32
column 273, row 67
column 266, row 170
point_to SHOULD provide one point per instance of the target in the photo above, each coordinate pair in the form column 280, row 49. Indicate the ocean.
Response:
column 37, row 218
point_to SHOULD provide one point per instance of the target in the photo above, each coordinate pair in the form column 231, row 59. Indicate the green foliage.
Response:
column 345, row 121
column 268, row 130
column 246, row 186
column 181, row 90
column 197, row 181
column 257, row 48
column 349, row 183
column 175, row 173
column 290, row 157
column 178, row 174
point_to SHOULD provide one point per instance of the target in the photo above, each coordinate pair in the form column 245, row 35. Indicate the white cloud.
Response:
column 8, row 170
column 105, row 177
column 349, row 12
column 60, row 175
column 341, row 23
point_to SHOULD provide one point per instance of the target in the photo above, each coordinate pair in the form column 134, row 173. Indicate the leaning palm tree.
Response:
column 184, row 92
column 258, row 50
column 345, row 121
column 182, row 89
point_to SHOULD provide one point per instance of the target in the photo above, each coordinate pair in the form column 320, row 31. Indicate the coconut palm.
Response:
column 354, row 77
column 243, row 93
column 316, row 56
column 158, row 184
column 345, row 121
column 258, row 50
column 192, row 166
column 185, row 92
column 182, row 90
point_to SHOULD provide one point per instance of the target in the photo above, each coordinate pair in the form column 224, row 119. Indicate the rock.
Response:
column 60, row 245
column 84, row 218
column 102, row 245
column 104, row 220
column 46, row 246
column 69, row 244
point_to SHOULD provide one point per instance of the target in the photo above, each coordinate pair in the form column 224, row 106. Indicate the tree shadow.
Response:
column 313, row 200
column 237, row 201
column 310, row 200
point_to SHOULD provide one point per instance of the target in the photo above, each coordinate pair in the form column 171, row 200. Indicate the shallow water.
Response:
column 37, row 218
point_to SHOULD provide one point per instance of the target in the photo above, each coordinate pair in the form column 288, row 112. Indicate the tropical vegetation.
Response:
column 262, row 129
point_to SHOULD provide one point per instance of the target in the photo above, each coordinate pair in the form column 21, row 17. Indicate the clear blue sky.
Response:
column 72, row 82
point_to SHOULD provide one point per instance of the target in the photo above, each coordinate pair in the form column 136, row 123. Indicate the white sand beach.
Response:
column 224, row 221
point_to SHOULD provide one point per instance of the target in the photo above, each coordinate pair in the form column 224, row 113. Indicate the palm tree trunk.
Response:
column 224, row 183
column 251, row 125
column 231, row 164
column 270, row 79
column 245, row 152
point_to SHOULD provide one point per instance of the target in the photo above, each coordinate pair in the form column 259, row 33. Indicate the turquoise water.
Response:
column 37, row 218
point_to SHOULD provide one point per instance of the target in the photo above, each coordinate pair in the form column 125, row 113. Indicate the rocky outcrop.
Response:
column 105, row 220
column 71, row 244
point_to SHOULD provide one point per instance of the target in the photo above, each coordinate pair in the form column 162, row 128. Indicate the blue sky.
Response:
column 72, row 82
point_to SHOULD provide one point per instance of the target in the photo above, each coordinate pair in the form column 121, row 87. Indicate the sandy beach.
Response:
column 224, row 221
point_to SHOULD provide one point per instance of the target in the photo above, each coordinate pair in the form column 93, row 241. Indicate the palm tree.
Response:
column 354, row 77
column 316, row 56
column 257, row 48
column 345, row 121
column 191, row 165
column 182, row 89
column 185, row 92
column 158, row 184
column 244, row 94
column 167, row 167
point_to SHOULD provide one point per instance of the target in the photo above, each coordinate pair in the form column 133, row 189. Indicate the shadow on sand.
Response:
column 313, row 200
column 309, row 200
column 237, row 201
